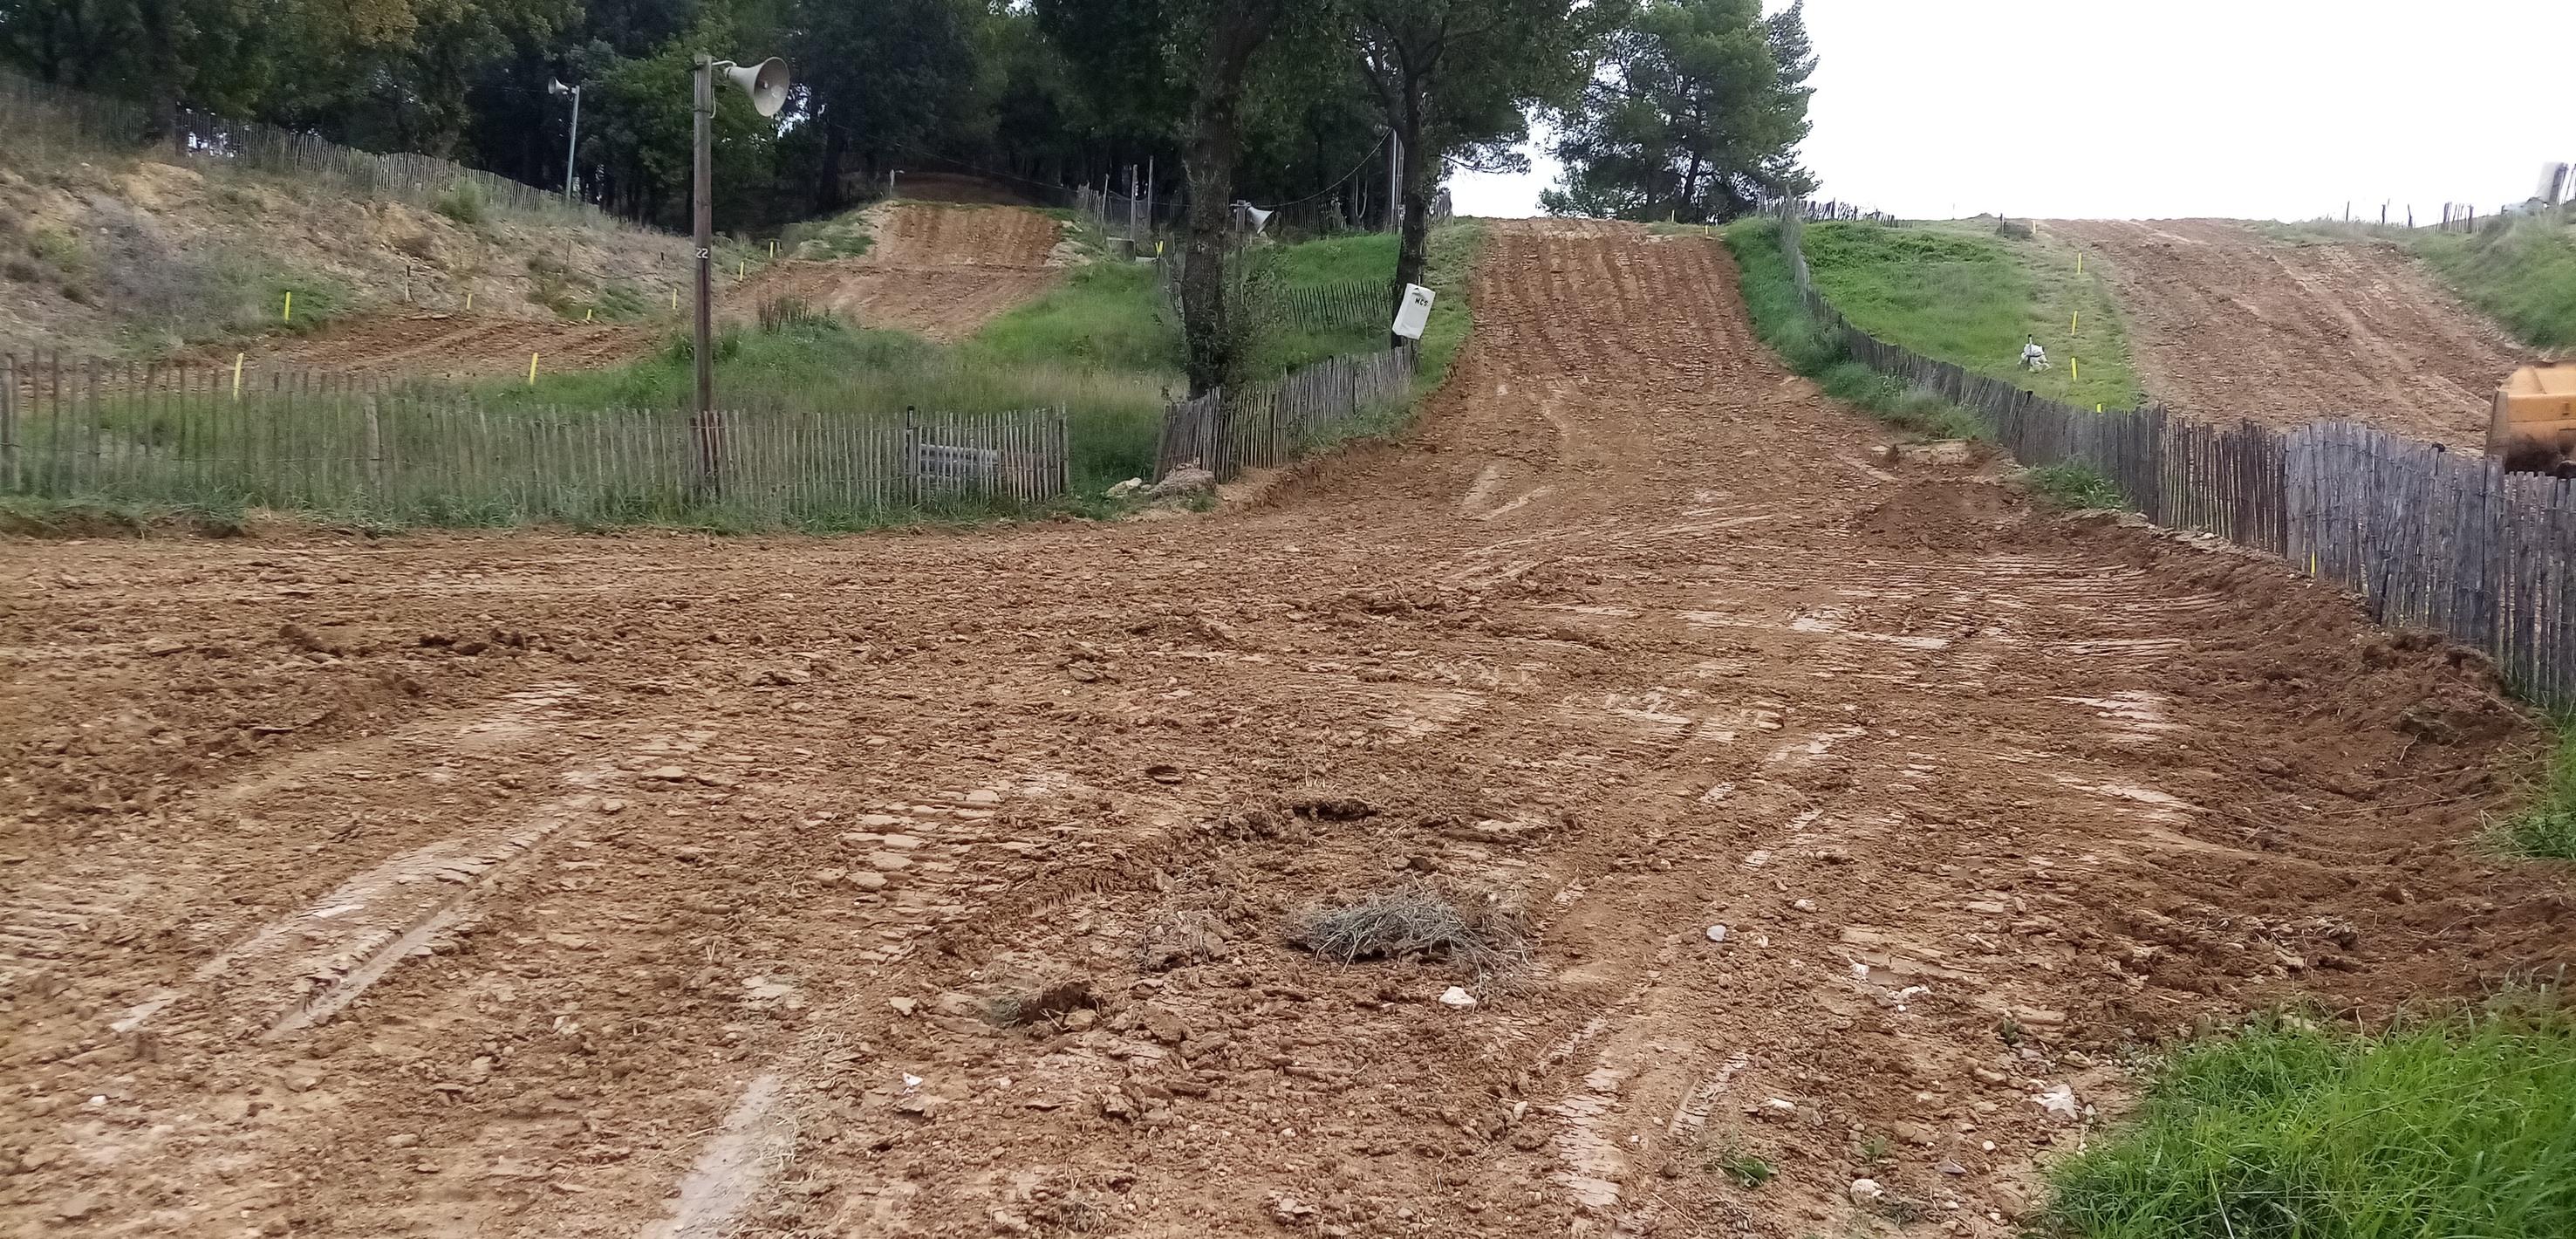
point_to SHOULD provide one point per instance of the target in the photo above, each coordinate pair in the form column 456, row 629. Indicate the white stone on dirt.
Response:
column 1804, row 905
column 1867, row 1191
column 1457, row 996
column 1717, row 933
column 1183, row 483
column 1126, row 488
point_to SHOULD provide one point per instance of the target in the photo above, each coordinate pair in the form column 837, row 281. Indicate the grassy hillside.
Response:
column 2523, row 275
column 1959, row 292
column 1780, row 318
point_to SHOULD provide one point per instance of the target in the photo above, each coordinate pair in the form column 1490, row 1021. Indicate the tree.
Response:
column 1697, row 118
column 1458, row 78
column 880, row 76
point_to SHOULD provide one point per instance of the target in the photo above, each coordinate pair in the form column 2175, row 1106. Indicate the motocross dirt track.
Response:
column 537, row 885
column 938, row 271
column 2227, row 322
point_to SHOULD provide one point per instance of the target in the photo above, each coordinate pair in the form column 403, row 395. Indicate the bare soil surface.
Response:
column 937, row 271
column 937, row 884
column 2226, row 322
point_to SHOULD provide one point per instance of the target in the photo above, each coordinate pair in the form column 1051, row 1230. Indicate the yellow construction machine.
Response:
column 2534, row 430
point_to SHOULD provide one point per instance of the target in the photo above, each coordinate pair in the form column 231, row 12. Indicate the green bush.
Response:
column 463, row 202
column 2546, row 828
column 2074, row 484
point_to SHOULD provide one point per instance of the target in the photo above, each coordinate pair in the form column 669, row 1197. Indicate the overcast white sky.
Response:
column 2149, row 109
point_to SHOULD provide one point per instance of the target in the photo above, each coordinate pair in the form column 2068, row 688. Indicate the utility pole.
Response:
column 1149, row 195
column 702, row 430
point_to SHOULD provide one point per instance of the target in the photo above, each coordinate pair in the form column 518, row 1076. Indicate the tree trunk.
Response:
column 1690, row 186
column 162, row 65
column 1413, row 238
column 1215, row 143
column 827, row 181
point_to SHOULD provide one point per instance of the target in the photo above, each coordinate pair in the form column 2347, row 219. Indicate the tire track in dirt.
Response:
column 947, row 881
column 2226, row 322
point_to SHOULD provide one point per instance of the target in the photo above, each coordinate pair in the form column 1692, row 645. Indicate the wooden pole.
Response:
column 702, row 212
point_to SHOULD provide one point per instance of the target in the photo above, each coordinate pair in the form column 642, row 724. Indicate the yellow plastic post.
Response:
column 2074, row 373
column 740, row 266
column 469, row 300
column 2079, row 264
column 585, row 316
column 237, row 360
column 287, row 315
column 532, row 369
column 675, row 299
column 2073, row 319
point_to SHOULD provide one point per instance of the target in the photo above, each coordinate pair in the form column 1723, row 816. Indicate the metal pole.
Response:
column 1149, row 195
column 1394, row 175
column 703, row 209
column 571, row 142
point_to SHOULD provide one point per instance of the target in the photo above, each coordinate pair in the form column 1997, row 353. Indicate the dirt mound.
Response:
column 144, row 252
column 957, row 188
column 533, row 884
column 912, row 235
column 2227, row 322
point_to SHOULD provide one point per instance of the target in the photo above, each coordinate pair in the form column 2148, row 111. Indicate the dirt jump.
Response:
column 1859, row 818
column 2227, row 322
column 936, row 270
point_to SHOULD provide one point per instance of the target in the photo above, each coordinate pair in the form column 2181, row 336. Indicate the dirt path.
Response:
column 937, row 271
column 2227, row 322
column 668, row 886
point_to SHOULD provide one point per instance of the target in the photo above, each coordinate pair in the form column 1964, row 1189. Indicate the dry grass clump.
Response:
column 1417, row 922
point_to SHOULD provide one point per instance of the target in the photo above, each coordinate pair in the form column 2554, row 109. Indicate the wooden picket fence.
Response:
column 1264, row 425
column 409, row 454
column 2429, row 539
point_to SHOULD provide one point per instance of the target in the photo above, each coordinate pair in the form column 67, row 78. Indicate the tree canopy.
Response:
column 1695, row 116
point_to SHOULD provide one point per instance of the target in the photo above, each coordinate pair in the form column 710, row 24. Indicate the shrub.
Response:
column 463, row 202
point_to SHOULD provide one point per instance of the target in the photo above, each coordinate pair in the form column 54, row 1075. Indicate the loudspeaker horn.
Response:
column 765, row 82
column 555, row 86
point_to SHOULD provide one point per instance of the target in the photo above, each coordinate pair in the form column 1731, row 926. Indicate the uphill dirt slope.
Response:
column 936, row 271
column 2229, row 323
column 545, row 886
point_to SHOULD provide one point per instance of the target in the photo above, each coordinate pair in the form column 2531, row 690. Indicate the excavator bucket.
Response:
column 2535, row 418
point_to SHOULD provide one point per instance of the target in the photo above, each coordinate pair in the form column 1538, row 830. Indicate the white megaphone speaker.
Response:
column 765, row 82
column 555, row 86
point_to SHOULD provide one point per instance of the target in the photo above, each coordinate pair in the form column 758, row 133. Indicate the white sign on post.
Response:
column 1416, row 311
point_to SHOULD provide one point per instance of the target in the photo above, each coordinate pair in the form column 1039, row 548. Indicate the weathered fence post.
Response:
column 375, row 451
column 9, row 477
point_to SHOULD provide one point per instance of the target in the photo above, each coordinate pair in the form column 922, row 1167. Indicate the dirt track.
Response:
column 540, row 886
column 2227, row 323
column 937, row 271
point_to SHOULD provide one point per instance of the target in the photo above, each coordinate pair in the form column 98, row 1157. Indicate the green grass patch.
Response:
column 37, row 516
column 2523, row 274
column 2075, row 485
column 1781, row 320
column 1961, row 293
column 1106, row 314
column 842, row 236
column 2463, row 1126
column 2546, row 827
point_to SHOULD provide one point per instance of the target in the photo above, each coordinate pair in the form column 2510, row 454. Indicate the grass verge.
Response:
column 1962, row 293
column 2075, row 485
column 1780, row 318
column 2546, row 828
column 2287, row 1130
column 2523, row 275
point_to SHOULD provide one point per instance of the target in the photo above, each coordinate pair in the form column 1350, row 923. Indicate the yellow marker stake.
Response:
column 675, row 298
column 741, row 266
column 287, row 315
column 2072, row 319
column 2074, row 373
column 532, row 369
column 2079, row 264
column 469, row 301
column 237, row 360
column 585, row 316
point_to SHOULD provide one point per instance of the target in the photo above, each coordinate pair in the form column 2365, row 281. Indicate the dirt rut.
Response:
column 2227, row 323
column 663, row 885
